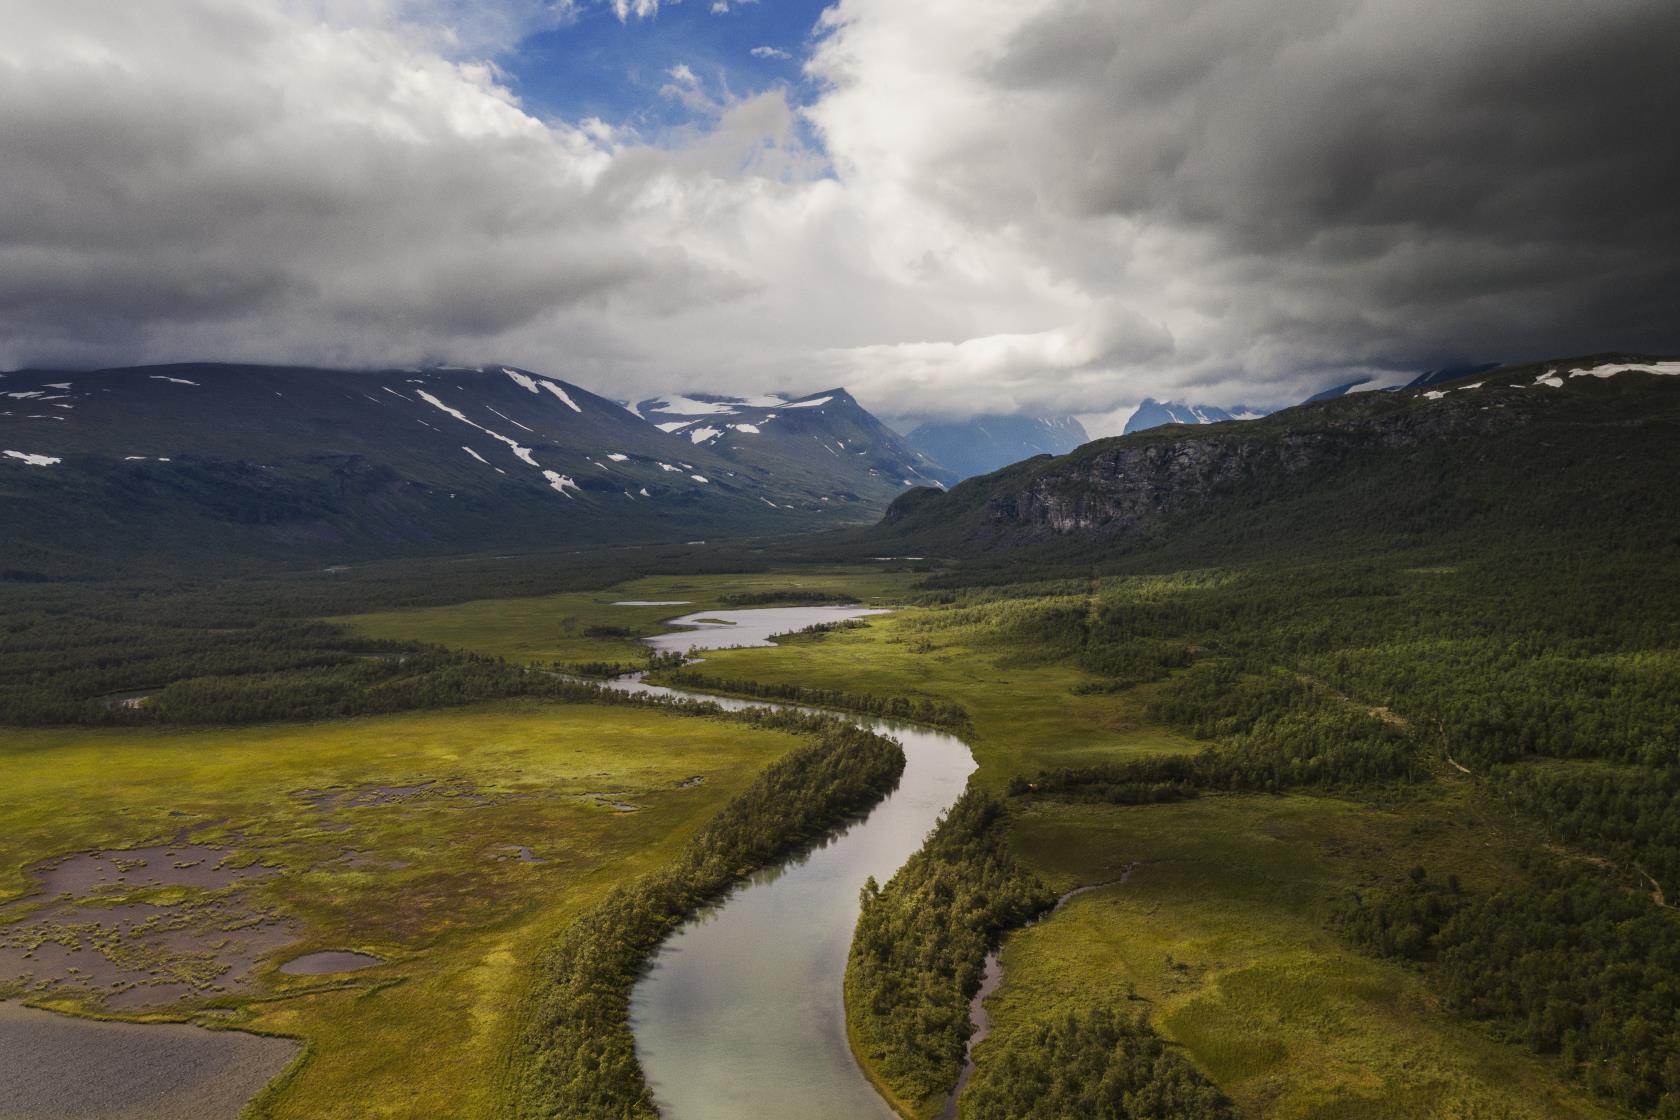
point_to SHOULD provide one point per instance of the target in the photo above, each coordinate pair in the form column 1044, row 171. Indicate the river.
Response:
column 741, row 1015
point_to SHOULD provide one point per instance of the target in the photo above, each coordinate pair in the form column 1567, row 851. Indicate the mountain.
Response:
column 824, row 450
column 1423, row 380
column 279, row 464
column 1155, row 414
column 985, row 443
column 1357, row 385
column 1449, row 373
column 1561, row 443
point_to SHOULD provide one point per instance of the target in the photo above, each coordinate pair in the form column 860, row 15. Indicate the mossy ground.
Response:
column 433, row 885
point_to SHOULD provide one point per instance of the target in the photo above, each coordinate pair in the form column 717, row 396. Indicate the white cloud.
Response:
column 1039, row 204
column 769, row 52
column 641, row 9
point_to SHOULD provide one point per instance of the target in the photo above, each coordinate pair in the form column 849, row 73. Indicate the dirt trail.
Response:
column 1446, row 751
column 1656, row 887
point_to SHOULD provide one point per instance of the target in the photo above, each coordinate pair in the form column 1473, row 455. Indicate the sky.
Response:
column 951, row 207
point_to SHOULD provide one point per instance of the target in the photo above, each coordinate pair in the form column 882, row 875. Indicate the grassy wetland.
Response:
column 452, row 845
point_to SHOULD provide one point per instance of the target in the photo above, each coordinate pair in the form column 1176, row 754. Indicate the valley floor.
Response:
column 454, row 844
column 1221, row 934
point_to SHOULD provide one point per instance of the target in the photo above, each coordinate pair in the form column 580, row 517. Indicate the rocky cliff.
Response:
column 1118, row 486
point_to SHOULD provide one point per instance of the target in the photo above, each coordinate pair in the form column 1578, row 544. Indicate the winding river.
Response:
column 741, row 1014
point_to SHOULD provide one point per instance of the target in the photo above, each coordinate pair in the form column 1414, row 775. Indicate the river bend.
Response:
column 741, row 1014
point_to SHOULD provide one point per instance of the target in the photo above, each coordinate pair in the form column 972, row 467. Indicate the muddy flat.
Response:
column 328, row 962
column 54, row 1067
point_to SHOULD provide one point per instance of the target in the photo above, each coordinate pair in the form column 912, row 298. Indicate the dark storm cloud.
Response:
column 1485, row 175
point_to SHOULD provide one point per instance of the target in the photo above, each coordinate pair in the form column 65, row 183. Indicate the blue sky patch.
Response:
column 619, row 70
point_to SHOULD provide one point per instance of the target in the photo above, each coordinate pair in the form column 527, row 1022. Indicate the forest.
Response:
column 1099, row 1064
column 921, row 944
column 1578, row 963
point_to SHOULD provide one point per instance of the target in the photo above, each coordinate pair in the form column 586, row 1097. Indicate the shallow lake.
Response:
column 727, row 629
column 741, row 1014
column 54, row 1067
column 327, row 962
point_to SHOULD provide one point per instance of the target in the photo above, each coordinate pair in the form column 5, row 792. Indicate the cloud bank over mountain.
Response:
column 962, row 208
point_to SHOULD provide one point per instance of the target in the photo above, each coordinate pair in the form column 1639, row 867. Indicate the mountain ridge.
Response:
column 288, row 463
column 1152, row 413
column 1117, row 489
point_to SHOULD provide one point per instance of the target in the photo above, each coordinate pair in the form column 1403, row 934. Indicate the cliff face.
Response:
column 1126, row 484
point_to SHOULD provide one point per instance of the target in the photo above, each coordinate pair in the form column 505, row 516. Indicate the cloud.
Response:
column 1036, row 204
column 641, row 9
column 769, row 52
column 1290, row 189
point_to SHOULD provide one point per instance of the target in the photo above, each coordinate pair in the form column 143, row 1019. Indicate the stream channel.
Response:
column 741, row 1014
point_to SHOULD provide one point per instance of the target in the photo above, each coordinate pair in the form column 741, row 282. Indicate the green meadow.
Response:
column 1220, row 933
column 412, row 856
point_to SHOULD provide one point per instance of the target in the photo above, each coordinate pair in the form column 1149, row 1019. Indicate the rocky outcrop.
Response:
column 1128, row 483
column 1119, row 485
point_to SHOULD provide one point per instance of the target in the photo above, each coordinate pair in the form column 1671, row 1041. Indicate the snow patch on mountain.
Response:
column 688, row 406
column 1660, row 369
column 511, row 420
column 32, row 459
column 561, row 483
column 523, row 452
column 561, row 393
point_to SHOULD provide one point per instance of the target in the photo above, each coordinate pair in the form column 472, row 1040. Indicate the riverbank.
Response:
column 574, row 1051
